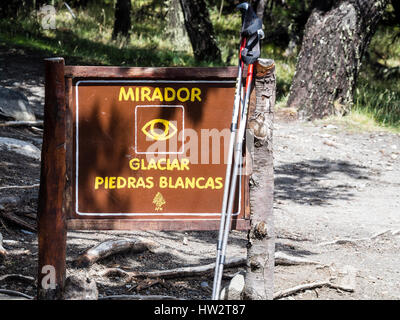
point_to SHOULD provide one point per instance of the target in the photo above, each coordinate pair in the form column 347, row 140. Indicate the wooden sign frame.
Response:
column 55, row 196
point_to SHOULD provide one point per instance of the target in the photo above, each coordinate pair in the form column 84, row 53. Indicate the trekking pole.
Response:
column 251, row 27
column 234, row 122
column 232, row 189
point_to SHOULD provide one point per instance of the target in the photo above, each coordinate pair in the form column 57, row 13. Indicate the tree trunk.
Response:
column 200, row 30
column 334, row 42
column 260, row 8
column 259, row 279
column 396, row 8
column 175, row 28
column 122, row 22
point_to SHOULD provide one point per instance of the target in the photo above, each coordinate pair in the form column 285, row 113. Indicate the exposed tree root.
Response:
column 396, row 232
column 17, row 277
column 280, row 259
column 21, row 123
column 15, row 293
column 18, row 221
column 3, row 252
column 20, row 187
column 341, row 241
column 308, row 286
column 178, row 272
column 115, row 272
column 145, row 284
column 284, row 259
column 111, row 247
column 354, row 241
column 138, row 297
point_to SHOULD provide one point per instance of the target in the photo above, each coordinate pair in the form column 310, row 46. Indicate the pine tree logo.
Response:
column 159, row 201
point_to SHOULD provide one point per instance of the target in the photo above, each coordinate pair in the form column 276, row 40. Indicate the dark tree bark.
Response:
column 9, row 9
column 396, row 7
column 259, row 279
column 122, row 22
column 260, row 8
column 175, row 26
column 200, row 30
column 336, row 36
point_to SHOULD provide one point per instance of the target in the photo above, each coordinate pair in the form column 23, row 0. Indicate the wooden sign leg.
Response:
column 259, row 280
column 52, row 230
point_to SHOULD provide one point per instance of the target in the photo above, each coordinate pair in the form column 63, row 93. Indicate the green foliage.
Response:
column 378, row 90
column 285, row 20
column 378, row 101
column 88, row 40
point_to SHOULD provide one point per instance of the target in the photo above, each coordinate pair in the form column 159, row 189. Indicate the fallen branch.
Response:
column 330, row 143
column 354, row 241
column 20, row 187
column 280, row 259
column 145, row 284
column 291, row 236
column 309, row 286
column 18, row 277
column 381, row 233
column 36, row 130
column 3, row 252
column 189, row 271
column 284, row 259
column 110, row 272
column 18, row 221
column 3, row 224
column 178, row 272
column 111, row 247
column 341, row 241
column 11, row 242
column 15, row 293
column 396, row 232
column 21, row 123
column 138, row 297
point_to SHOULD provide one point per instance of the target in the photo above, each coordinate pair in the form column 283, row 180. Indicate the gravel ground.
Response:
column 331, row 185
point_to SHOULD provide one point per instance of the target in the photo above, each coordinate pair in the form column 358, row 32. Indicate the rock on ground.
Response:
column 78, row 288
column 21, row 147
column 14, row 105
column 235, row 288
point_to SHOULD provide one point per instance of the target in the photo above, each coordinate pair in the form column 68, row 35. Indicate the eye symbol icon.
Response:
column 168, row 130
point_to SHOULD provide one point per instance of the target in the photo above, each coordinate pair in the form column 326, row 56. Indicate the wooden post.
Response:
column 259, row 279
column 52, row 230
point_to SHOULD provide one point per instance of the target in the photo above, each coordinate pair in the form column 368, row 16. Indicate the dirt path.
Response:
column 331, row 184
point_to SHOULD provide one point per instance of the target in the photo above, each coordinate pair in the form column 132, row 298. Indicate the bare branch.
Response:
column 15, row 293
column 308, row 286
column 20, row 187
column 138, row 297
column 111, row 247
column 21, row 123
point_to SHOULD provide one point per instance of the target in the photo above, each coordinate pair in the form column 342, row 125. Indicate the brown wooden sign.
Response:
column 132, row 149
column 151, row 149
column 146, row 148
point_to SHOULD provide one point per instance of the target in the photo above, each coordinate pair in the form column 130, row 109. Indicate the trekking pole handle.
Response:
column 242, row 46
column 261, row 34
